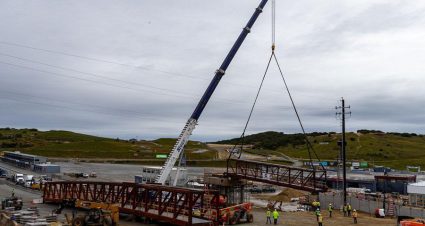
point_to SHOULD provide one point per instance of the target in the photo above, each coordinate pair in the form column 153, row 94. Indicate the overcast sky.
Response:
column 136, row 69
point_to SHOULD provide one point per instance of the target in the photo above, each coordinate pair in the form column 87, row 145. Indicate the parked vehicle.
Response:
column 28, row 180
column 19, row 178
column 268, row 189
column 255, row 189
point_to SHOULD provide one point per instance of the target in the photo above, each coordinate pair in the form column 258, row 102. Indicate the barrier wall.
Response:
column 367, row 206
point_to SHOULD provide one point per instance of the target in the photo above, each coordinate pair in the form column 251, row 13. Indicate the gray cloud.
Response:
column 138, row 68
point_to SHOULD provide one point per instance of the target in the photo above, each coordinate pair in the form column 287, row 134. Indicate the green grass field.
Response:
column 65, row 144
column 394, row 150
column 382, row 149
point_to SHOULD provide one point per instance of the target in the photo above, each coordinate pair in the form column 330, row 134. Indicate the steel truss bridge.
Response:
column 311, row 180
column 171, row 205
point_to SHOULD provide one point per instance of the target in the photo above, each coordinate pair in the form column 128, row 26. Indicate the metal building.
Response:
column 46, row 168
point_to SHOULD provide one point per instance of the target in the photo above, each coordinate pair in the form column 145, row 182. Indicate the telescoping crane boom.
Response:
column 192, row 121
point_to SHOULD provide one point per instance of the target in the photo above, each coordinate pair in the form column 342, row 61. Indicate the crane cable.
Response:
column 273, row 25
column 273, row 55
column 242, row 137
column 308, row 143
column 273, row 29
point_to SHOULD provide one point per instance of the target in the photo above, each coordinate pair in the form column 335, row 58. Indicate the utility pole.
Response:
column 343, row 146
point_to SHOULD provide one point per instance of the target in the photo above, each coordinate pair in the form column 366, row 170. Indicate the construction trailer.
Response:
column 150, row 173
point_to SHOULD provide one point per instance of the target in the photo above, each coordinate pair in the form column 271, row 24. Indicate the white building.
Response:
column 416, row 193
column 149, row 174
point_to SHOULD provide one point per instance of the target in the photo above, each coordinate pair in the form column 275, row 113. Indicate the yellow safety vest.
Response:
column 320, row 219
column 268, row 213
column 275, row 214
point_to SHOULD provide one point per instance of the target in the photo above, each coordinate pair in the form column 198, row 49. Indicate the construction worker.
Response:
column 314, row 204
column 269, row 216
column 320, row 219
column 355, row 216
column 344, row 209
column 349, row 208
column 330, row 209
column 317, row 212
column 275, row 216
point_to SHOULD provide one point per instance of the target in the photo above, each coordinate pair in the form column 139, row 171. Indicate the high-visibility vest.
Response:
column 345, row 208
column 320, row 219
column 330, row 208
column 355, row 214
column 349, row 207
column 268, row 213
column 275, row 214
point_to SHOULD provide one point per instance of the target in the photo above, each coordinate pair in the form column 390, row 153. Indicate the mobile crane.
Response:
column 192, row 121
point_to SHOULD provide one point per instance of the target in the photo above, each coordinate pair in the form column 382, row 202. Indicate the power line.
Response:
column 112, row 85
column 98, row 60
column 92, row 74
column 129, row 65
column 183, row 94
column 74, row 103
column 75, row 109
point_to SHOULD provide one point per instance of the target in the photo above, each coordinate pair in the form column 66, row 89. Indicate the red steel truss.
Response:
column 172, row 205
column 281, row 175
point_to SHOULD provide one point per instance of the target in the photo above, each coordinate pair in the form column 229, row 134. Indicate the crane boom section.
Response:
column 191, row 123
column 220, row 72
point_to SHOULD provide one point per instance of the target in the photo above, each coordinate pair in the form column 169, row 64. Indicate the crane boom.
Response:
column 192, row 121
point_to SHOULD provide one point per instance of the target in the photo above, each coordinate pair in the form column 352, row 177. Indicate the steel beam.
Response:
column 281, row 175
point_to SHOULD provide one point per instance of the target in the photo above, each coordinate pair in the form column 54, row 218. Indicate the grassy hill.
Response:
column 67, row 144
column 391, row 149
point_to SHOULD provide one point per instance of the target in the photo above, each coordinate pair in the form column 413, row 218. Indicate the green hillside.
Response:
column 391, row 149
column 67, row 144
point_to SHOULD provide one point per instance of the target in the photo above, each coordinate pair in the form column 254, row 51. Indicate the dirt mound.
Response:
column 286, row 195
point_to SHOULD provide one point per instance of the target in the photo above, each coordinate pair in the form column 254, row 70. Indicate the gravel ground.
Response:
column 124, row 172
column 308, row 218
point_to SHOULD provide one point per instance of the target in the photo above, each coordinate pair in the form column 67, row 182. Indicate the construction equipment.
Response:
column 414, row 222
column 192, row 121
column 13, row 201
column 99, row 212
column 94, row 217
column 236, row 214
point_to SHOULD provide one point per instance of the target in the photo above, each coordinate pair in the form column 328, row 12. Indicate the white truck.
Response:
column 28, row 180
column 19, row 178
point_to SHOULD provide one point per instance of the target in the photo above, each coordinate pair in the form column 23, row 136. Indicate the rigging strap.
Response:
column 242, row 137
column 309, row 145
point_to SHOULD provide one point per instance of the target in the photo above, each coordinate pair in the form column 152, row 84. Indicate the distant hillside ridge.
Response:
column 67, row 144
column 387, row 148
